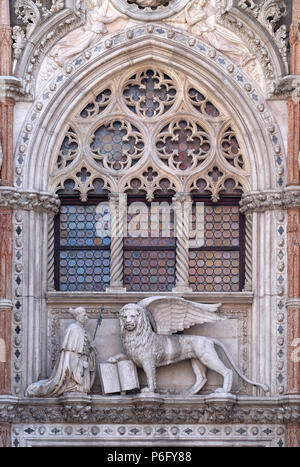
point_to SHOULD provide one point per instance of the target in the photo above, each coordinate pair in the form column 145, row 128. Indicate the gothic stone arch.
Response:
column 34, row 150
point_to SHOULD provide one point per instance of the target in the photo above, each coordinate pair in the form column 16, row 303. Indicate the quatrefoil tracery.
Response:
column 116, row 145
column 146, row 118
column 149, row 93
column 183, row 144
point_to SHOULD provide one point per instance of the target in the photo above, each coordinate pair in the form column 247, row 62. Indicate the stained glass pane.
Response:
column 221, row 226
column 83, row 226
column 84, row 270
column 149, row 271
column 214, row 271
column 151, row 227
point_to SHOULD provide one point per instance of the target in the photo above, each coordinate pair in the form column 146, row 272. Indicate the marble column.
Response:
column 5, row 435
column 117, row 208
column 6, row 234
column 293, row 231
column 182, row 206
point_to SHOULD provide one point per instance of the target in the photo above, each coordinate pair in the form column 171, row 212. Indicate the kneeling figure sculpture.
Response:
column 144, row 327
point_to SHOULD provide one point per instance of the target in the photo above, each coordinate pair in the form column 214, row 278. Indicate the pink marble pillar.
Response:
column 293, row 231
column 6, row 233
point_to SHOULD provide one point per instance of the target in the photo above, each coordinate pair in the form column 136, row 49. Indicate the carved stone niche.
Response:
column 175, row 378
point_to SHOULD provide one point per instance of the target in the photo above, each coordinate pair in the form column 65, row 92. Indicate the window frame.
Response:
column 227, row 200
column 72, row 200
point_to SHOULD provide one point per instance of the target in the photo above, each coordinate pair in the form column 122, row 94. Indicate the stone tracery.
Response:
column 148, row 127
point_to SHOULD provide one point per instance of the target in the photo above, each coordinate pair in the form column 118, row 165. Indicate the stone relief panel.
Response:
column 240, row 32
column 200, row 18
column 234, row 332
column 99, row 15
column 59, row 81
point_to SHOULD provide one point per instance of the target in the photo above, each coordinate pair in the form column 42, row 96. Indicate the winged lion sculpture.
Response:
column 146, row 331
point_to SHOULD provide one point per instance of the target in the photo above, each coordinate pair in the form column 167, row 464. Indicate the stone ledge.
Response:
column 97, row 298
column 151, row 409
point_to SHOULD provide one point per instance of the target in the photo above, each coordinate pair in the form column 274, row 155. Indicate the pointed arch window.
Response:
column 150, row 133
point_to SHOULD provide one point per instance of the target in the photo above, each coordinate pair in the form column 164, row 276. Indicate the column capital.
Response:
column 29, row 200
column 11, row 88
column 270, row 200
column 182, row 197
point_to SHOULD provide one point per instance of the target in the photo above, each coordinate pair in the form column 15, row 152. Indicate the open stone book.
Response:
column 118, row 377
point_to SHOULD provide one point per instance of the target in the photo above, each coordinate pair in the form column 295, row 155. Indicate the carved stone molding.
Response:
column 293, row 303
column 268, row 13
column 261, row 201
column 35, row 435
column 150, row 409
column 258, row 41
column 27, row 200
column 60, row 299
column 28, row 54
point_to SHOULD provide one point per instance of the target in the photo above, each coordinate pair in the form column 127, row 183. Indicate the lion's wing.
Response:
column 173, row 314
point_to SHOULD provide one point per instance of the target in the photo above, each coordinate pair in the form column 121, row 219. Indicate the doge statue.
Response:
column 74, row 371
column 145, row 331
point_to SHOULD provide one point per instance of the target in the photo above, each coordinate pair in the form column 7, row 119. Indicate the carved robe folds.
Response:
column 74, row 370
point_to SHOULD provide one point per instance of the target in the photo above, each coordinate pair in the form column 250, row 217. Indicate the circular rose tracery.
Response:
column 117, row 145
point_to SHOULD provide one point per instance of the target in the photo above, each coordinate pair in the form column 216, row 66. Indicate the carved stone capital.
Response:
column 181, row 198
column 28, row 200
column 261, row 201
column 286, row 87
column 11, row 87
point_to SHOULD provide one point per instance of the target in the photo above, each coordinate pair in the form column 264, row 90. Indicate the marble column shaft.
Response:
column 117, row 205
column 6, row 231
column 182, row 206
column 293, row 231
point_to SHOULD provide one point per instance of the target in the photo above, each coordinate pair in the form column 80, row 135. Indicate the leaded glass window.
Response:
column 218, row 265
column 150, row 256
column 82, row 261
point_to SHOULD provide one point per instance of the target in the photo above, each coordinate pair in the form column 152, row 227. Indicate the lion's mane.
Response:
column 141, row 336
